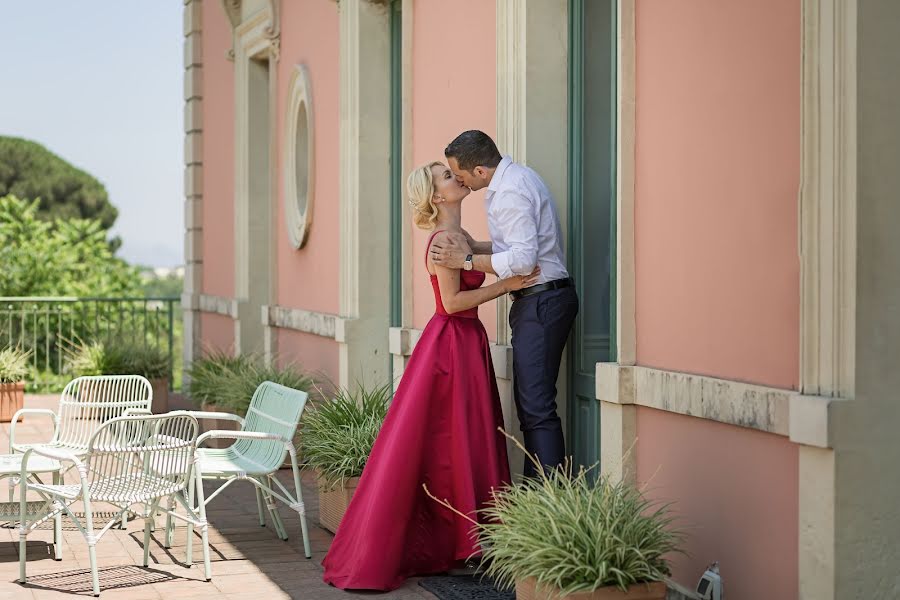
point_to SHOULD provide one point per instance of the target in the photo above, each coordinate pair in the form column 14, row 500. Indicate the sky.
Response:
column 99, row 83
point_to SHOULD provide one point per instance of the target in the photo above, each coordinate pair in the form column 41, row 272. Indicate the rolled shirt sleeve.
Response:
column 515, row 215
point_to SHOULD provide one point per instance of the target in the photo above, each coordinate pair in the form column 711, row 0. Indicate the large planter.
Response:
column 160, row 403
column 333, row 502
column 12, row 397
column 210, row 424
column 528, row 590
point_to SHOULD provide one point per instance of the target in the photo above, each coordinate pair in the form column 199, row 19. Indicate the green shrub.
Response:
column 229, row 381
column 14, row 365
column 118, row 357
column 575, row 534
column 337, row 435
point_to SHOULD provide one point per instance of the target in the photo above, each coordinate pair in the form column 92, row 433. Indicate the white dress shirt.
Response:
column 523, row 224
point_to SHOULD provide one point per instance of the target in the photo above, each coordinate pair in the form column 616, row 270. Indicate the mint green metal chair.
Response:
column 265, row 439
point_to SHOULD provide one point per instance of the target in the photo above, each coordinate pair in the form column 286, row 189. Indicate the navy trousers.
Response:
column 540, row 326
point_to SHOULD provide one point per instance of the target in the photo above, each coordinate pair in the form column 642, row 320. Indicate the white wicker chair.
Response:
column 129, row 460
column 84, row 405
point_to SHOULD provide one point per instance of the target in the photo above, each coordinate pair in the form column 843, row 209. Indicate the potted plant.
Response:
column 337, row 436
column 565, row 535
column 13, row 371
column 125, row 357
column 220, row 382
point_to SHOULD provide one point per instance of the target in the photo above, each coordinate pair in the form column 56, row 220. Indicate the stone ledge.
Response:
column 732, row 402
column 297, row 319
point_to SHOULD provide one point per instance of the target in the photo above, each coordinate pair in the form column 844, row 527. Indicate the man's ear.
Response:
column 480, row 172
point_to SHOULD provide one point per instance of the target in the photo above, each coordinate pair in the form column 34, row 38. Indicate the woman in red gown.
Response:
column 441, row 429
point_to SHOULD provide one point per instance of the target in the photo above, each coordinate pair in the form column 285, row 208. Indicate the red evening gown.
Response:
column 441, row 430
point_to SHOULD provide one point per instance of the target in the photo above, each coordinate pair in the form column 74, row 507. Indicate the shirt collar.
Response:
column 498, row 173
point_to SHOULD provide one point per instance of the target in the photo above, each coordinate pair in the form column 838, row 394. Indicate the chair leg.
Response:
column 259, row 506
column 280, row 529
column 300, row 506
column 189, row 552
column 92, row 551
column 57, row 526
column 170, row 524
column 204, row 531
column 148, row 520
column 23, row 532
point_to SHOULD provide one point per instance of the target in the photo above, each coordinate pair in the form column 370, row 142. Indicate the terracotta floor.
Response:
column 248, row 561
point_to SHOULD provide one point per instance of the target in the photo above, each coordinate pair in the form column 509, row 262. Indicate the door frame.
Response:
column 575, row 195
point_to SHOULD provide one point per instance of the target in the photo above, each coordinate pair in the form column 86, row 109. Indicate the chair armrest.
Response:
column 202, row 414
column 21, row 413
column 54, row 453
column 132, row 412
column 241, row 435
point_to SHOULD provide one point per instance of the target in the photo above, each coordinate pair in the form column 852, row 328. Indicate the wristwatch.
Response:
column 467, row 264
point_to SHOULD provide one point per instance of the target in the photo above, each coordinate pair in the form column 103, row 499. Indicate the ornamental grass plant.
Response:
column 14, row 365
column 575, row 533
column 337, row 434
column 228, row 382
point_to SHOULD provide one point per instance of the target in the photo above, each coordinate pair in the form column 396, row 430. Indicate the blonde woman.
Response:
column 441, row 429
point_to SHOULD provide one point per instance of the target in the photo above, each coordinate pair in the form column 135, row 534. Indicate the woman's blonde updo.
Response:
column 420, row 189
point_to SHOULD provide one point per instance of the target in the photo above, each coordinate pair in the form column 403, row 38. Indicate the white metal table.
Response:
column 11, row 468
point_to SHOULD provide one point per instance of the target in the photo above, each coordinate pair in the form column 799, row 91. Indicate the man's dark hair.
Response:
column 472, row 149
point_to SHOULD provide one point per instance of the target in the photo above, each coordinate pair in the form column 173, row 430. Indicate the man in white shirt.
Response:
column 525, row 232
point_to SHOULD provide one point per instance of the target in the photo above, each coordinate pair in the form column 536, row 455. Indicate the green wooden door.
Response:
column 592, row 218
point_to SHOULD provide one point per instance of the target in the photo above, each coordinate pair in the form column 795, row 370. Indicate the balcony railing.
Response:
column 49, row 327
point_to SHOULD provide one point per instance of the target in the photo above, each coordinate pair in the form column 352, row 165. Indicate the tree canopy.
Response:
column 29, row 170
column 59, row 257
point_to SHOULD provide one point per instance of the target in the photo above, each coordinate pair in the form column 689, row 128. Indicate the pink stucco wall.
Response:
column 315, row 355
column 216, row 332
column 454, row 90
column 218, row 153
column 717, row 176
column 736, row 495
column 308, row 278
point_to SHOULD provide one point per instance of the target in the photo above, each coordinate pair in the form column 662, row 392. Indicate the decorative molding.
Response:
column 625, row 169
column 251, row 43
column 299, row 96
column 827, row 240
column 193, row 178
column 811, row 418
column 402, row 341
column 731, row 402
column 511, row 107
column 271, row 29
column 828, row 199
column 365, row 144
column 219, row 305
column 297, row 319
column 232, row 10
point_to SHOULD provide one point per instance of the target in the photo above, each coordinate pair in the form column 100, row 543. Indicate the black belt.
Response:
column 542, row 287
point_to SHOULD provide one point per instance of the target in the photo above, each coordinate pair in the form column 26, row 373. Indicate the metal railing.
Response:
column 49, row 327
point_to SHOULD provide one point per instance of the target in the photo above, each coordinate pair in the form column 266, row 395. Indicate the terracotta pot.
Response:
column 527, row 590
column 160, row 395
column 12, row 397
column 333, row 502
column 210, row 424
